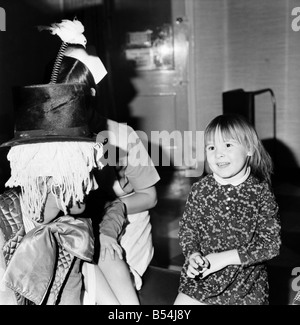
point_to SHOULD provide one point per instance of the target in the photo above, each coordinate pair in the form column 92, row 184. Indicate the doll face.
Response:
column 227, row 158
column 76, row 208
column 53, row 176
column 53, row 203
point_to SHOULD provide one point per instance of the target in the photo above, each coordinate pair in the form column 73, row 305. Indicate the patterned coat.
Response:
column 218, row 218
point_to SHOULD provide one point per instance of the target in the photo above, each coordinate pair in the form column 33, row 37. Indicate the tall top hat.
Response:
column 50, row 112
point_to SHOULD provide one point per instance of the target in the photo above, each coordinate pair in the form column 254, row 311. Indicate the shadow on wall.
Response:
column 6, row 127
column 24, row 52
column 4, row 168
column 286, row 182
column 281, row 268
column 285, row 164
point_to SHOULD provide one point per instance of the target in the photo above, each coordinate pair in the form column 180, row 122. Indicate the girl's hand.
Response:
column 197, row 265
column 111, row 245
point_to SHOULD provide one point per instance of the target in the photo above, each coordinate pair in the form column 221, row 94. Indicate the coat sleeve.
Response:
column 266, row 240
column 7, row 296
column 188, row 230
column 114, row 218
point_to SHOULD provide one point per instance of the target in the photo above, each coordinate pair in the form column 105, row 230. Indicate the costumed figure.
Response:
column 45, row 230
column 44, row 234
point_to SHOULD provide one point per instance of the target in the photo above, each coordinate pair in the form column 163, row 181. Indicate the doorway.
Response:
column 148, row 45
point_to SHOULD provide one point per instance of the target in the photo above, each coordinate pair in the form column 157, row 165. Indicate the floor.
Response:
column 173, row 190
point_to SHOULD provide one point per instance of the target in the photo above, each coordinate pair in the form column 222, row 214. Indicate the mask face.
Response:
column 69, row 165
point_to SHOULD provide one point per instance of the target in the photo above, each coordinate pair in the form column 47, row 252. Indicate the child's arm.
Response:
column 218, row 261
column 266, row 240
column 188, row 229
column 140, row 200
column 110, row 228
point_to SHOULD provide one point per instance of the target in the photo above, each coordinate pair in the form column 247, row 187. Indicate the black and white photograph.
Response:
column 149, row 155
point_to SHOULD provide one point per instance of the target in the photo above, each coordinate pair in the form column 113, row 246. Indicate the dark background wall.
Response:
column 23, row 54
column 23, row 51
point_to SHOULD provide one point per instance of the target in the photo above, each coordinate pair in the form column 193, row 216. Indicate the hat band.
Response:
column 81, row 131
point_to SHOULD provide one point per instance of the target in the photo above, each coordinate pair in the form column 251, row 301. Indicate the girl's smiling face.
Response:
column 227, row 158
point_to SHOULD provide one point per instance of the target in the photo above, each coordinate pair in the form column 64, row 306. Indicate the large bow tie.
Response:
column 32, row 266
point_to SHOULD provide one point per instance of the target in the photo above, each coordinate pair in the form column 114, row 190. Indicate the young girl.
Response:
column 230, row 226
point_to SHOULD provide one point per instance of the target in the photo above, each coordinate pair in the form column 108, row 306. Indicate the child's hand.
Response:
column 111, row 245
column 197, row 265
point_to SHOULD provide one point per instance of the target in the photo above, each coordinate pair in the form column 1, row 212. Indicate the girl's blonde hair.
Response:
column 238, row 128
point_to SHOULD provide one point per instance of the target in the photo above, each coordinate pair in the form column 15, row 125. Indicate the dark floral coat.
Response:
column 218, row 218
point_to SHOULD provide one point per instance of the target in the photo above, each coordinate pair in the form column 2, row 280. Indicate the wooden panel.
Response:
column 250, row 45
column 210, row 38
column 156, row 116
column 263, row 53
column 155, row 112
